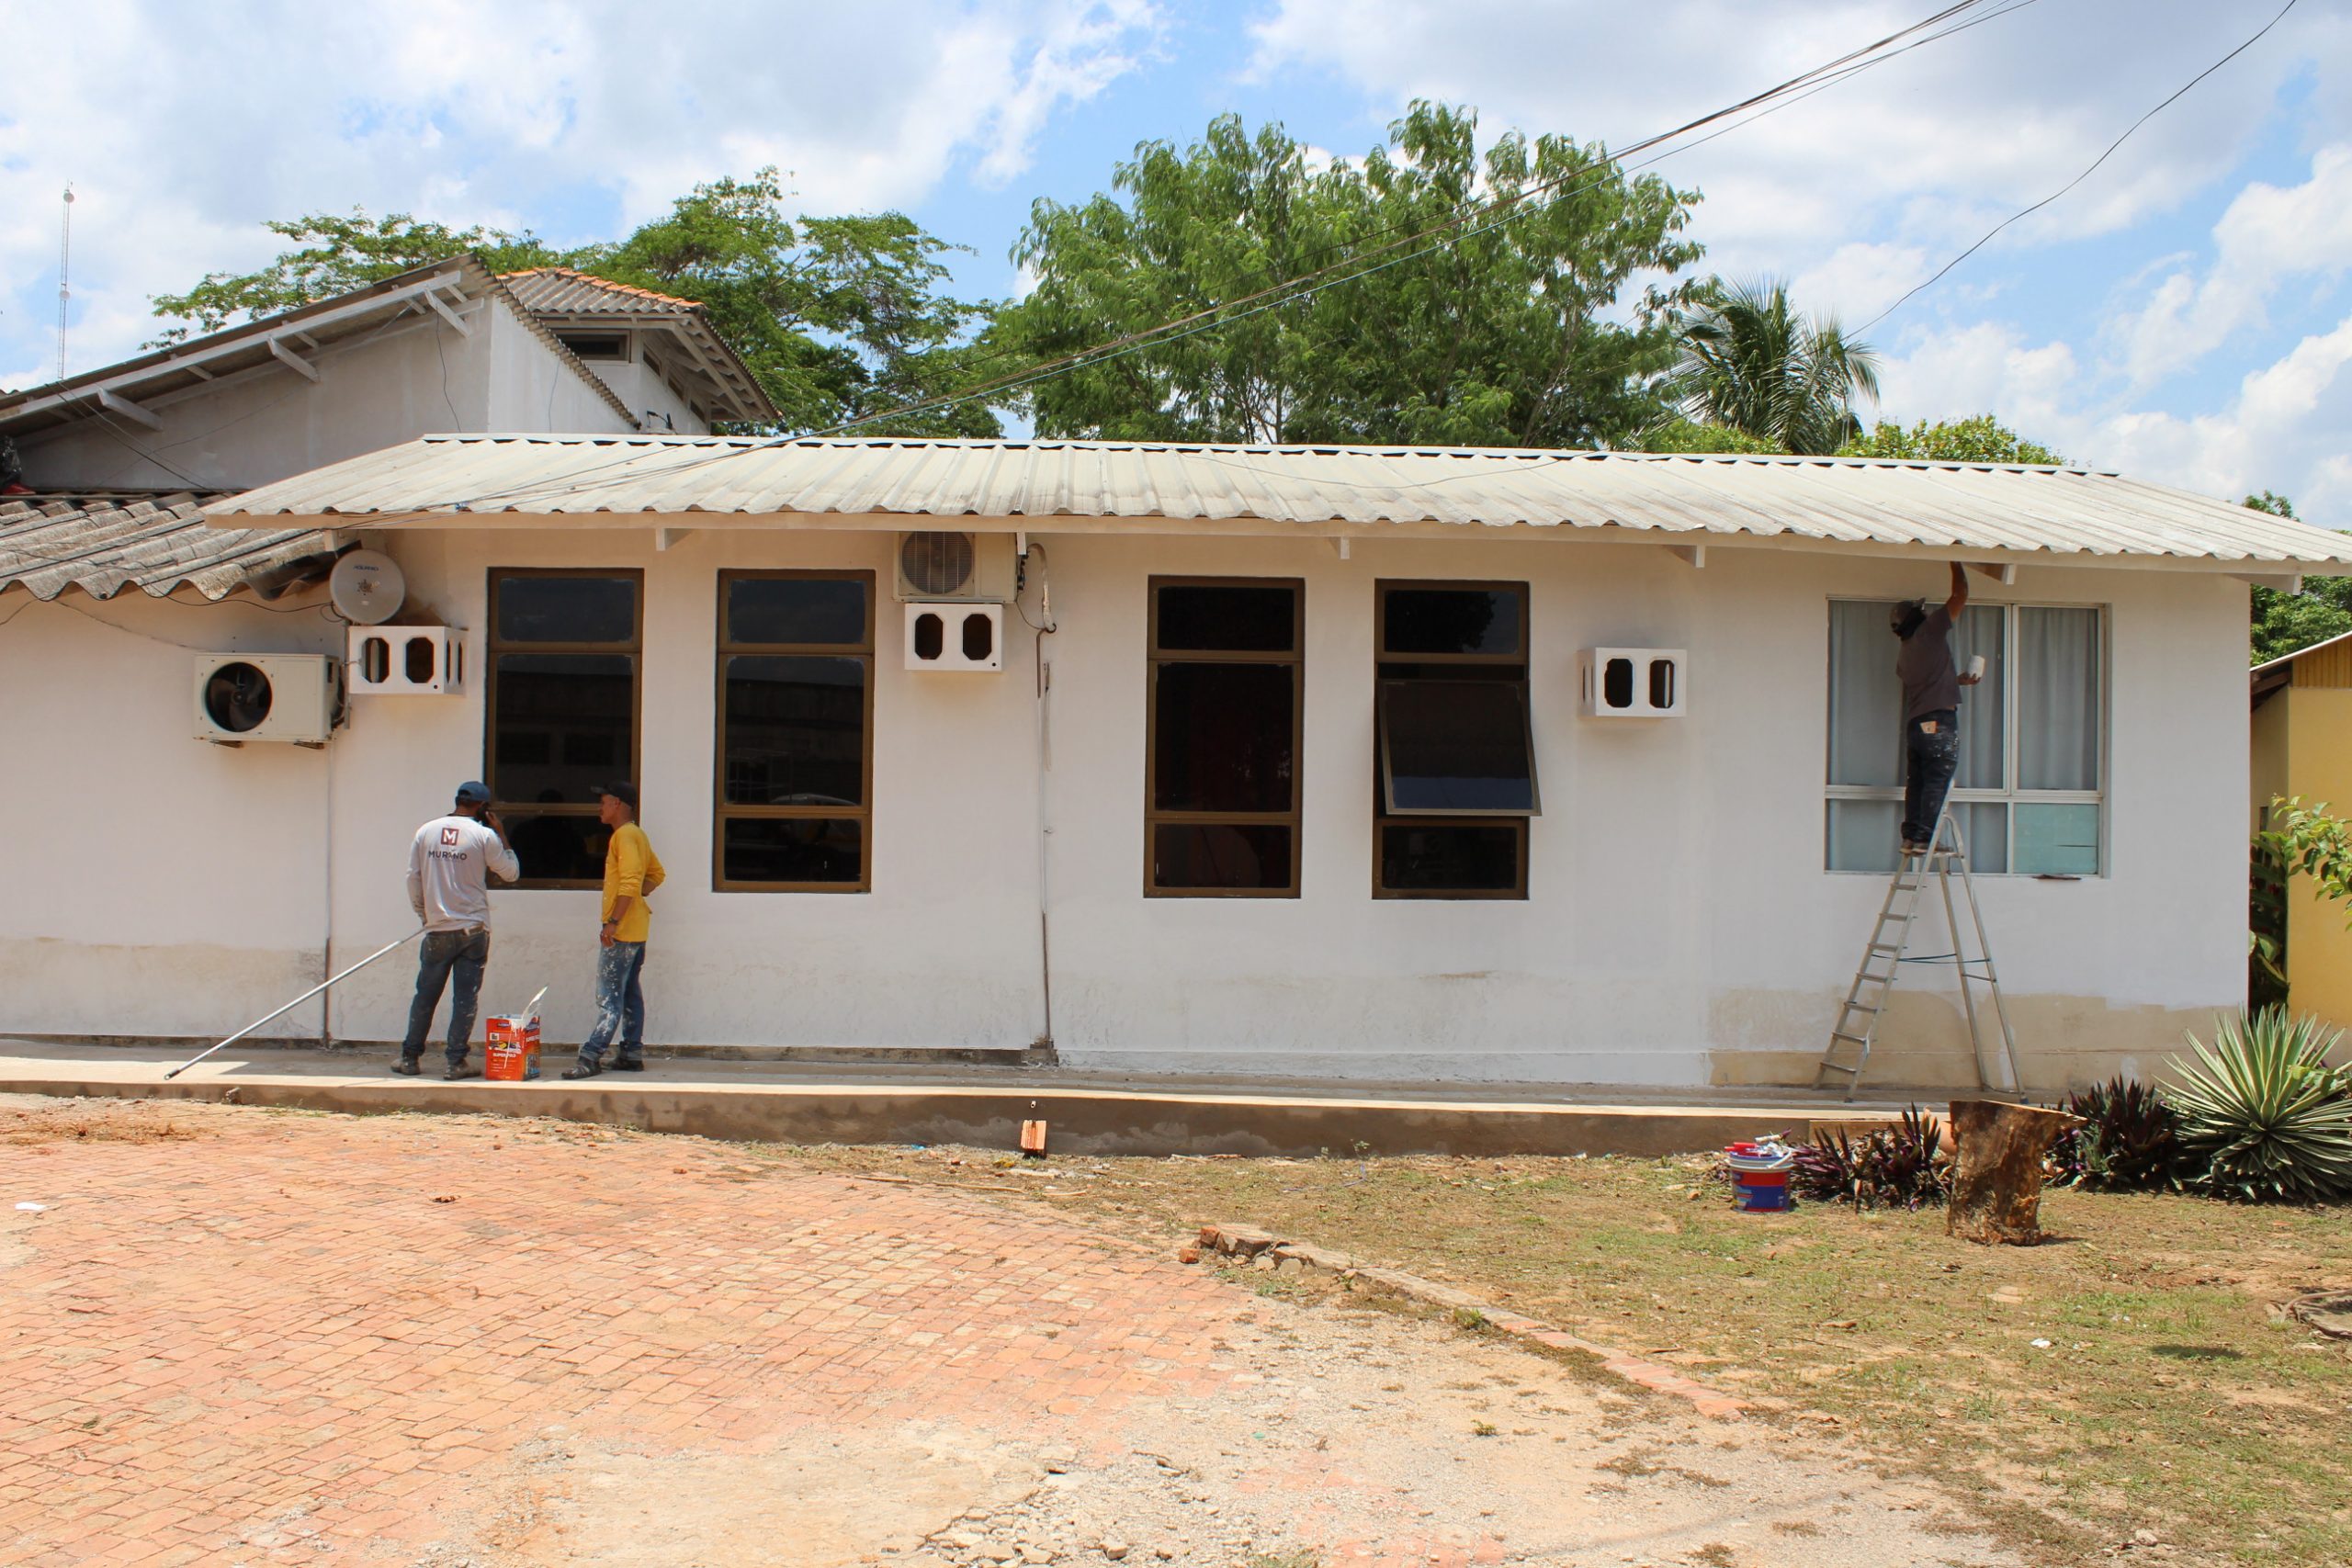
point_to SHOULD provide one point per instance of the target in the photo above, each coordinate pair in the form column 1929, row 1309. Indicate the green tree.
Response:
column 2281, row 623
column 838, row 318
column 1679, row 435
column 1982, row 439
column 1748, row 362
column 1517, row 329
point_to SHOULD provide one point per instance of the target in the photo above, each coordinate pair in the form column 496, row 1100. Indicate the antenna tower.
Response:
column 65, row 276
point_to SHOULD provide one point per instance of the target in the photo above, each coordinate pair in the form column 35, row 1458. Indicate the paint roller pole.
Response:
column 298, row 1001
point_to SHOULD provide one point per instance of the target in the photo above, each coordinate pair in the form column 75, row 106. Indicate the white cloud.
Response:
column 266, row 108
column 2268, row 236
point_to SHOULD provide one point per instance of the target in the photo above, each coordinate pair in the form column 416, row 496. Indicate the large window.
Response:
column 796, row 731
column 2029, row 796
column 1221, row 761
column 1454, row 776
column 562, row 713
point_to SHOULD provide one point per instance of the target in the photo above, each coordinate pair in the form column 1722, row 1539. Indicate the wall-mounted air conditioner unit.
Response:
column 296, row 697
column 1631, row 683
column 407, row 661
column 971, row 568
column 961, row 636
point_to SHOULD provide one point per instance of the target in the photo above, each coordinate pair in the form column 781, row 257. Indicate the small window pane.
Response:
column 2057, row 838
column 1223, row 737
column 1450, row 620
column 1217, row 854
column 1865, row 699
column 822, row 611
column 565, row 724
column 567, row 609
column 2058, row 700
column 1205, row 618
column 569, row 847
column 1418, row 857
column 796, row 731
column 1863, row 833
column 1457, row 746
column 1984, row 828
column 793, row 849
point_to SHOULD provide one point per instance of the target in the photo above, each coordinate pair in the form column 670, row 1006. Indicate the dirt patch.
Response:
column 102, row 1121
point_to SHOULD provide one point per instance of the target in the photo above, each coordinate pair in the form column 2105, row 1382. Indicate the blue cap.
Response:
column 474, row 792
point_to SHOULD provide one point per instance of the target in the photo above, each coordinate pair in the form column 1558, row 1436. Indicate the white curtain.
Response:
column 1865, row 699
column 1980, row 631
column 2058, row 699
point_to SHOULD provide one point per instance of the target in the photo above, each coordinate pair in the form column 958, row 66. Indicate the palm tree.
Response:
column 1750, row 362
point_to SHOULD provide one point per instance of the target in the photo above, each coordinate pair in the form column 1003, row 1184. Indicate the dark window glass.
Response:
column 595, row 345
column 793, row 849
column 565, row 723
column 1457, row 746
column 1212, row 618
column 802, row 611
column 1416, row 857
column 567, row 609
column 1223, row 737
column 1450, row 620
column 1220, row 855
column 796, row 731
column 557, row 849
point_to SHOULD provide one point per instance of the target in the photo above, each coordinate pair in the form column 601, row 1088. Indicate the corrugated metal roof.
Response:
column 1972, row 506
column 563, row 290
column 102, row 544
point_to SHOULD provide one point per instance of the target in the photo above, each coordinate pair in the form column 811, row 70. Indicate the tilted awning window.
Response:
column 1457, row 749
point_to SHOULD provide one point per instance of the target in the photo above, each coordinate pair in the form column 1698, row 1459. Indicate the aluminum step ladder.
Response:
column 1889, row 949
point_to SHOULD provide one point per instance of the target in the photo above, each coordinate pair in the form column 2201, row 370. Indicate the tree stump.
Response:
column 1997, row 1150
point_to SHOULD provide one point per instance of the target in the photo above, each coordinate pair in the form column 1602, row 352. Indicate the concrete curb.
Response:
column 1248, row 1243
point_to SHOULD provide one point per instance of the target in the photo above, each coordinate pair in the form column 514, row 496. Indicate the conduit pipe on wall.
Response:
column 1044, row 628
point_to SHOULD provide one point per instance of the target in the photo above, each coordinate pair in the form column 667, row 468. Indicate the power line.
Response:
column 2086, row 174
column 1293, row 288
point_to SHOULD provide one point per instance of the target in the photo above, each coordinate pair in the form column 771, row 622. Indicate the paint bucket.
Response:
column 1759, row 1176
column 511, row 1047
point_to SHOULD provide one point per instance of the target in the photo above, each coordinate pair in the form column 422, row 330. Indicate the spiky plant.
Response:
column 2263, row 1110
column 1897, row 1167
column 2129, row 1140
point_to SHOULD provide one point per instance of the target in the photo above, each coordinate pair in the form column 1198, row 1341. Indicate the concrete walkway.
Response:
column 903, row 1102
column 234, row 1338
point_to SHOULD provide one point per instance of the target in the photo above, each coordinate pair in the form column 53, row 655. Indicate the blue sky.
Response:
column 2183, row 315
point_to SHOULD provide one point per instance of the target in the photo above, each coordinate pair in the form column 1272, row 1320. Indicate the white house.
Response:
column 1263, row 761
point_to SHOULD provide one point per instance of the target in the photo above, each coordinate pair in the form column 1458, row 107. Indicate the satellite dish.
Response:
column 366, row 587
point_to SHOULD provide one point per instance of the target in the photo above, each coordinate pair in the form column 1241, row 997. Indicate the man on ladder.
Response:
column 1931, row 683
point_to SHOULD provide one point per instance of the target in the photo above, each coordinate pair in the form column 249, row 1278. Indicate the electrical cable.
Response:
column 1289, row 289
column 2086, row 174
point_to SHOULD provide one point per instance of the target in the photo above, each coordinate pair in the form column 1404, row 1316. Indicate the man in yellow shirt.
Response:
column 631, row 871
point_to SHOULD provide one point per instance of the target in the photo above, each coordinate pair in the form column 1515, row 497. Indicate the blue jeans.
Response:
column 1929, row 759
column 464, row 954
column 620, row 1004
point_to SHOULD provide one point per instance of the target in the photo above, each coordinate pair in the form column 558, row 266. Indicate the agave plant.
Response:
column 1896, row 1167
column 2265, row 1111
column 2129, row 1140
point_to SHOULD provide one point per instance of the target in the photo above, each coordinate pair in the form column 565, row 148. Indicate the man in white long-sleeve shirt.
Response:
column 449, row 886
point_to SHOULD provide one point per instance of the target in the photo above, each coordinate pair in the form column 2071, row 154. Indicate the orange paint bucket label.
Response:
column 511, row 1047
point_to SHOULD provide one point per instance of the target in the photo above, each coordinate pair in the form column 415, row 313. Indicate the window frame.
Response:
column 1295, row 659
column 1382, row 819
column 722, row 812
column 492, row 646
column 2009, row 795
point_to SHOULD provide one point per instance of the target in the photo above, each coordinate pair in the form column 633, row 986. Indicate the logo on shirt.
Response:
column 449, row 835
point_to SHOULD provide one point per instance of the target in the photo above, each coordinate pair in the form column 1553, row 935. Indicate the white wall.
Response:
column 633, row 382
column 1679, row 926
column 375, row 390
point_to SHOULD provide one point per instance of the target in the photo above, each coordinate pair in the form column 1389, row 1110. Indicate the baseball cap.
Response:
column 620, row 790
column 474, row 792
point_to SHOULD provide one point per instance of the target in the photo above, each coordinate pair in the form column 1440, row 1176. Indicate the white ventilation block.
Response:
column 1631, row 683
column 407, row 661
column 963, row 637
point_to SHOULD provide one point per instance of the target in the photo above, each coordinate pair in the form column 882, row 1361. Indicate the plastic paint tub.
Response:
column 511, row 1047
column 1760, row 1180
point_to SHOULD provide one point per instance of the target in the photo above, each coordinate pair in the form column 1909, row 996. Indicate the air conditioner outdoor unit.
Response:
column 296, row 697
column 955, row 637
column 1631, row 683
column 407, row 661
column 969, row 567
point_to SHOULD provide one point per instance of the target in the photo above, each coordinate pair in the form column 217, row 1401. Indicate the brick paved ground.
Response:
column 239, row 1336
